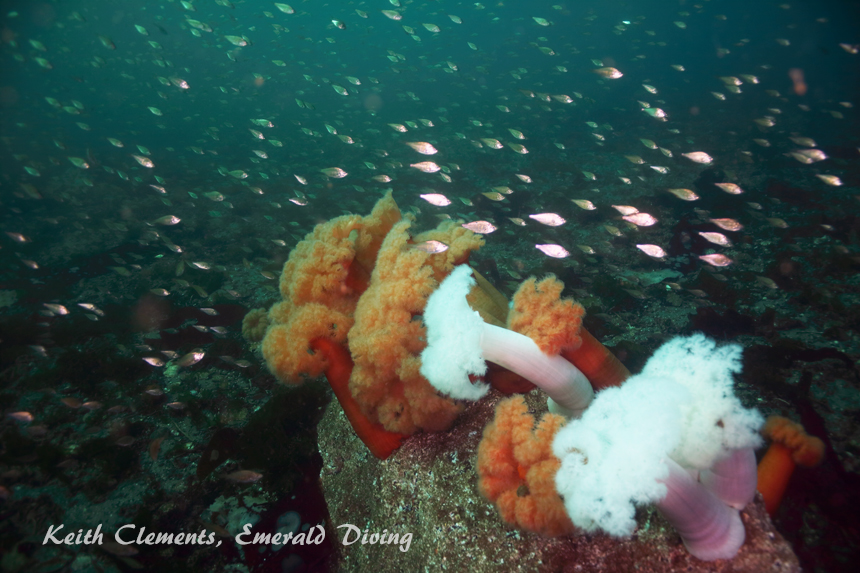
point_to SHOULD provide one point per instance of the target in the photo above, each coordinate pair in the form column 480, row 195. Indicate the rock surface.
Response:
column 429, row 489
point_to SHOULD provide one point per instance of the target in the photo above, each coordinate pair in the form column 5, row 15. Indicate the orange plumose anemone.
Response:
column 555, row 324
column 516, row 469
column 790, row 446
column 320, row 286
column 539, row 312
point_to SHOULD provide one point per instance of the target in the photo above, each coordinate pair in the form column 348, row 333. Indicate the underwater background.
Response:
column 681, row 166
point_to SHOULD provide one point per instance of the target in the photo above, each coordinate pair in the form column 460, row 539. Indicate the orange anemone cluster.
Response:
column 555, row 324
column 516, row 469
column 790, row 446
column 353, row 290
